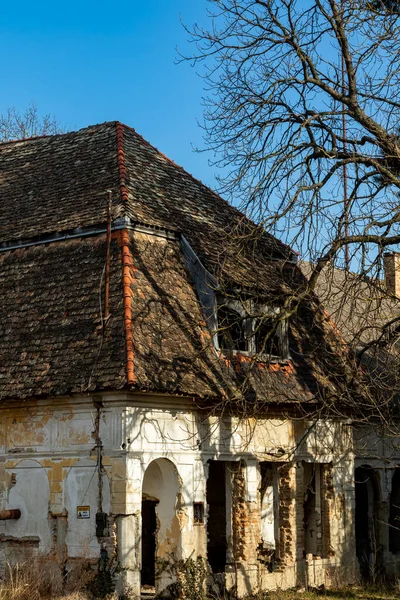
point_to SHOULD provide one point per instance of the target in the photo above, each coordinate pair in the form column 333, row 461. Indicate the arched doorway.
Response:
column 161, row 535
column 367, row 506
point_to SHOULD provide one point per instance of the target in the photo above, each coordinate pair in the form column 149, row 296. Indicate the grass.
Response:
column 354, row 593
column 41, row 578
column 38, row 578
column 21, row 589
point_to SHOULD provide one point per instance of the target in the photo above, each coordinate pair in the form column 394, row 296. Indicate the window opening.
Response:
column 316, row 510
column 243, row 326
column 266, row 337
column 231, row 334
column 198, row 513
column 217, row 516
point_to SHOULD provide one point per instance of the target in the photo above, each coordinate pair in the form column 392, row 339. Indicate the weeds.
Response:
column 362, row 593
column 40, row 577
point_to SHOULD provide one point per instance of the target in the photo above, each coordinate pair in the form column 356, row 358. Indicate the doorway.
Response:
column 367, row 504
column 161, row 535
column 217, row 516
column 149, row 533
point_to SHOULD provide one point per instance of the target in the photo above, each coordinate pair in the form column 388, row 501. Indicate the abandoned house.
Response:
column 158, row 403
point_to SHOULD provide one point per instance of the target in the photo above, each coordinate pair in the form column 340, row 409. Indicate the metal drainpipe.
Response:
column 7, row 515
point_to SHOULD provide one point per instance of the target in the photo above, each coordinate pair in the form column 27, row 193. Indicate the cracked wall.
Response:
column 75, row 452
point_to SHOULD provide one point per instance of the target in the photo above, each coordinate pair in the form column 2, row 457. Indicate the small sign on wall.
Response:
column 83, row 512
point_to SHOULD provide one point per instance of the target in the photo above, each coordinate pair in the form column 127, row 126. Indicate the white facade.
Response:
column 284, row 490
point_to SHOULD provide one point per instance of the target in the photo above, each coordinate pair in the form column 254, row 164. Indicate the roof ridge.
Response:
column 127, row 261
column 28, row 139
column 121, row 162
column 33, row 138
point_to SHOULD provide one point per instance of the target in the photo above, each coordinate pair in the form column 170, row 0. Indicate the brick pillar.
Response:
column 246, row 523
column 286, row 547
column 327, row 498
column 239, row 512
column 246, row 527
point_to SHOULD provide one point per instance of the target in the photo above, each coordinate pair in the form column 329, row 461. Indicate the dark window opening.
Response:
column 267, row 339
column 216, row 522
column 149, row 533
column 394, row 514
column 244, row 326
column 367, row 547
column 198, row 513
column 231, row 333
column 312, row 521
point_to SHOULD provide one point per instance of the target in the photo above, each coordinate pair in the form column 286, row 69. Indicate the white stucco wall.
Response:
column 49, row 466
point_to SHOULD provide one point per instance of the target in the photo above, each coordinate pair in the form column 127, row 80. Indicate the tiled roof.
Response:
column 52, row 339
column 172, row 346
column 359, row 307
column 57, row 183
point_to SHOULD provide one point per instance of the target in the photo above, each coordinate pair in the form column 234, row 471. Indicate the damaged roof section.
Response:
column 51, row 330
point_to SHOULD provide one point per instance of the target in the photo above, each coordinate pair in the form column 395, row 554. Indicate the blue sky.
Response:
column 92, row 61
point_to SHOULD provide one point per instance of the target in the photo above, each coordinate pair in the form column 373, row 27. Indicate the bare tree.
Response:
column 15, row 125
column 303, row 115
column 302, row 93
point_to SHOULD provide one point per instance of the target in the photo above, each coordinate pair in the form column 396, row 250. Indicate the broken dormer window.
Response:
column 250, row 328
column 267, row 338
column 231, row 329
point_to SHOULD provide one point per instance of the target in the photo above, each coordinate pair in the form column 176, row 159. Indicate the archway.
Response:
column 367, row 506
column 161, row 535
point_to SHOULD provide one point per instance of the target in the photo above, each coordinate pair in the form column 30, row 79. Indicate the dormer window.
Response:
column 250, row 328
column 238, row 324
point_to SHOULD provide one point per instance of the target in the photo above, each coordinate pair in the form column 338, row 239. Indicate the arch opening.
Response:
column 161, row 536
